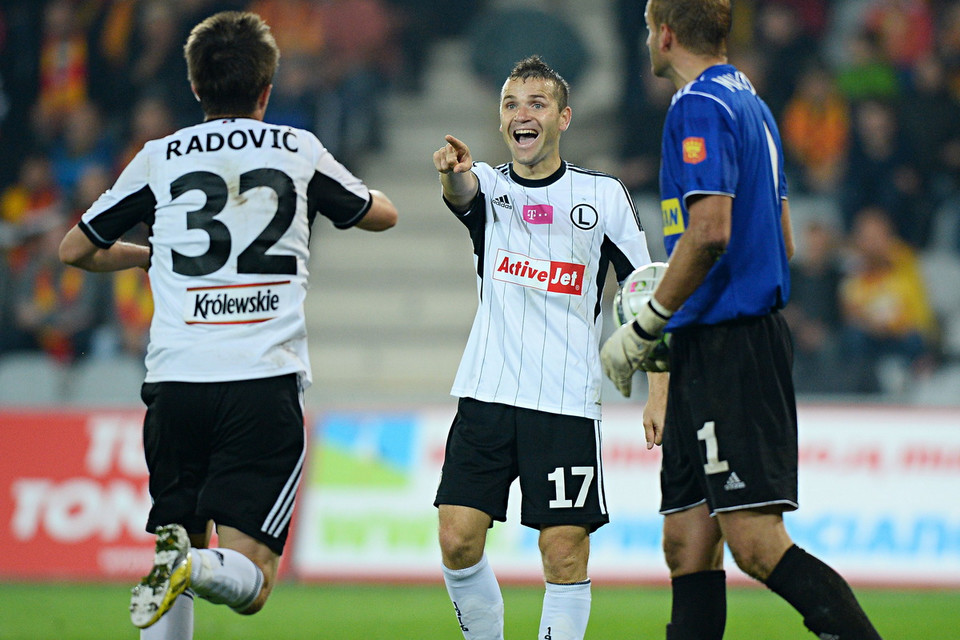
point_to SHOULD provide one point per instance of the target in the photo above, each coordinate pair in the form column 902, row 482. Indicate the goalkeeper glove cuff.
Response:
column 651, row 319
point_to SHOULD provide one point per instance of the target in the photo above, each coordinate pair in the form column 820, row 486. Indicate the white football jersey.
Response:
column 541, row 250
column 230, row 204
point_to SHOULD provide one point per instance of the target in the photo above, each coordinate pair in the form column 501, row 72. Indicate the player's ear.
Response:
column 193, row 90
column 666, row 37
column 264, row 98
column 565, row 117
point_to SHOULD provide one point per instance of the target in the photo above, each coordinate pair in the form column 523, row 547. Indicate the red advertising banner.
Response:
column 73, row 495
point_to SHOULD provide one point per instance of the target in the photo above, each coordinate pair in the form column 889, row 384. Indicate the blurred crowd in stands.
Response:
column 867, row 94
column 85, row 83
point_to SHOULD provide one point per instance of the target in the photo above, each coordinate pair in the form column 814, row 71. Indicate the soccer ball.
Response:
column 635, row 292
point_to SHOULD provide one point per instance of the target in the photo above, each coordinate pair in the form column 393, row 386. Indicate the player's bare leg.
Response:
column 763, row 549
column 565, row 550
column 470, row 581
column 693, row 549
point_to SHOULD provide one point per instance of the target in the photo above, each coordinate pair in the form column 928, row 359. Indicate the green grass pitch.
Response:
column 348, row 612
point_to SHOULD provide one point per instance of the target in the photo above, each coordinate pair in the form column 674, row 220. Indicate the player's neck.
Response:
column 687, row 68
column 543, row 169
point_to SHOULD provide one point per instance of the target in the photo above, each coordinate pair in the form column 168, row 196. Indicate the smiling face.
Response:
column 531, row 122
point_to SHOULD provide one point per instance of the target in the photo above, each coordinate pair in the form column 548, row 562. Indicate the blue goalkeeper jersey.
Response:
column 720, row 138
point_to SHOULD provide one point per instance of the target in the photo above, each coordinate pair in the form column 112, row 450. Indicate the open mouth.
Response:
column 525, row 137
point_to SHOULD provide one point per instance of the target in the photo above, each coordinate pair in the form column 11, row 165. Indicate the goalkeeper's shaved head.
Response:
column 231, row 58
column 701, row 26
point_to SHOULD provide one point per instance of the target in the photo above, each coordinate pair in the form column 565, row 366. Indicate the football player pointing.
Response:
column 543, row 232
column 729, row 467
column 230, row 203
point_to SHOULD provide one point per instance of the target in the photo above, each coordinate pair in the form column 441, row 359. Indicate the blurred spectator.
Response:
column 357, row 64
column 639, row 166
column 338, row 55
column 132, row 311
column 882, row 171
column 780, row 35
column 56, row 306
column 63, row 69
column 864, row 73
column 948, row 46
column 816, row 129
column 642, row 106
column 112, row 41
column 19, row 64
column 904, row 30
column 930, row 117
column 151, row 119
column 814, row 310
column 886, row 313
column 83, row 143
column 295, row 99
column 299, row 29
column 27, row 209
column 158, row 66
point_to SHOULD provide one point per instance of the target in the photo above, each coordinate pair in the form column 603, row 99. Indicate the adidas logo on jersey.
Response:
column 503, row 201
column 734, row 482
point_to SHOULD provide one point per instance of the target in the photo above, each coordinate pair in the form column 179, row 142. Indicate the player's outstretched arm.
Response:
column 382, row 213
column 455, row 166
column 77, row 250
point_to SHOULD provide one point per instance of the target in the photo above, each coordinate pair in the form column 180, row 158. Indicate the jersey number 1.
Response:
column 253, row 259
column 709, row 436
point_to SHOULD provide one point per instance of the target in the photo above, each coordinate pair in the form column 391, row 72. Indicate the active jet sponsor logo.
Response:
column 547, row 275
column 538, row 213
column 694, row 150
column 503, row 201
column 235, row 304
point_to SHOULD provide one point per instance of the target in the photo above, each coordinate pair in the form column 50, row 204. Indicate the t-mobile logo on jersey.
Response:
column 538, row 213
column 547, row 275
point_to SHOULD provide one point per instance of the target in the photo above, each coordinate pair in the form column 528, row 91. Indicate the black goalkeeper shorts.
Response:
column 731, row 425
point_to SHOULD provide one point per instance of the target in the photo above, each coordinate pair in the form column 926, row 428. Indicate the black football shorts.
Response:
column 556, row 457
column 731, row 425
column 231, row 452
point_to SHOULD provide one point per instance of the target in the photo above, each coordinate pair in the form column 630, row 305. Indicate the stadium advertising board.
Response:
column 75, row 497
column 878, row 498
column 878, row 491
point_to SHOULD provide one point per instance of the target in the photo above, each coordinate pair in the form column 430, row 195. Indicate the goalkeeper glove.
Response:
column 626, row 350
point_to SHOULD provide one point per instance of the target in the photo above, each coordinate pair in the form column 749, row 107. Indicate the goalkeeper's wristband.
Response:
column 651, row 319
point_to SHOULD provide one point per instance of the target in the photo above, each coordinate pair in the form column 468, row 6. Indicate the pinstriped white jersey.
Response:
column 541, row 251
column 230, row 204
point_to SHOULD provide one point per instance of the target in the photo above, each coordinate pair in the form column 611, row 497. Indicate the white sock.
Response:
column 477, row 600
column 225, row 576
column 176, row 624
column 566, row 610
